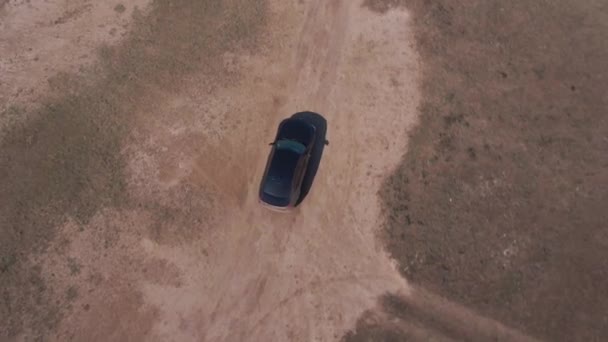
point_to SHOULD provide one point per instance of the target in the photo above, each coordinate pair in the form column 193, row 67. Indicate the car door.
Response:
column 299, row 175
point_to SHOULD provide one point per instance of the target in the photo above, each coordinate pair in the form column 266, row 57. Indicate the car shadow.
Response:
column 320, row 123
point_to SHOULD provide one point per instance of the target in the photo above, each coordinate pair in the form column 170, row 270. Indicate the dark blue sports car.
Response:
column 282, row 181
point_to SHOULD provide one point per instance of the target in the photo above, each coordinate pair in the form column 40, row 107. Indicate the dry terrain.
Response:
column 500, row 203
column 129, row 177
column 461, row 195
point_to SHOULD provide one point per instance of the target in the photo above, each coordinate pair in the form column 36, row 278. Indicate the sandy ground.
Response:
column 181, row 250
column 41, row 41
column 133, row 138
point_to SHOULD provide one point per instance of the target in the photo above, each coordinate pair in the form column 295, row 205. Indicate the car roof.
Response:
column 296, row 129
column 281, row 171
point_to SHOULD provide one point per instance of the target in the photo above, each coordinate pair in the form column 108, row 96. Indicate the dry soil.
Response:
column 129, row 178
column 133, row 137
column 500, row 203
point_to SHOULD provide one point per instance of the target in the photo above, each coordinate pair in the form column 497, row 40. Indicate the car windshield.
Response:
column 282, row 168
column 290, row 145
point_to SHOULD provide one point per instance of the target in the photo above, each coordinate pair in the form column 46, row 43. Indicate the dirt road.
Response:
column 162, row 237
column 307, row 275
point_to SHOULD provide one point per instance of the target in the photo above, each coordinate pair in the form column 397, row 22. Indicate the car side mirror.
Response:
column 326, row 142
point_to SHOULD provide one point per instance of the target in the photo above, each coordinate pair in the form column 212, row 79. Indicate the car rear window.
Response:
column 276, row 201
column 281, row 171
